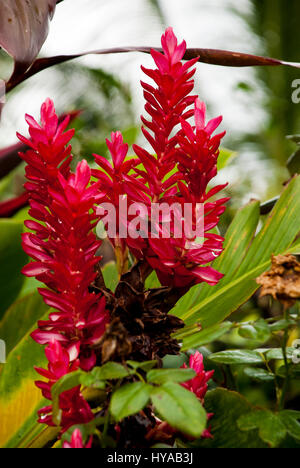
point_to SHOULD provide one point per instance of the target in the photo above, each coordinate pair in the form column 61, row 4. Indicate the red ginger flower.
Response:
column 74, row 408
column 189, row 154
column 63, row 247
column 198, row 385
column 77, row 441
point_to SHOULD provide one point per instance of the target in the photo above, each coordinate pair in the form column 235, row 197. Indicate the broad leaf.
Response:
column 23, row 29
column 19, row 397
column 237, row 357
column 180, row 408
column 110, row 275
column 110, row 371
column 129, row 400
column 259, row 331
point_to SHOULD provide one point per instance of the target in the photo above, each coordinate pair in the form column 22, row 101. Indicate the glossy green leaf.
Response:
column 12, row 259
column 277, row 354
column 271, row 429
column 180, row 408
column 237, row 357
column 110, row 371
column 259, row 375
column 129, row 399
column 160, row 376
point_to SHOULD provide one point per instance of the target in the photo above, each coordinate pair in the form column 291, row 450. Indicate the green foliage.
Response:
column 180, row 408
column 161, row 376
column 243, row 260
column 12, row 259
column 129, row 399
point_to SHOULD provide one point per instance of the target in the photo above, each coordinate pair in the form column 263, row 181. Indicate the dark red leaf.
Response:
column 24, row 26
column 10, row 207
column 209, row 56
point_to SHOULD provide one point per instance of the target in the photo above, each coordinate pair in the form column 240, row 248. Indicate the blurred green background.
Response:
column 256, row 103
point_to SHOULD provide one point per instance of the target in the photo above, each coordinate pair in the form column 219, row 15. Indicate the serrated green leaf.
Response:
column 271, row 429
column 290, row 420
column 237, row 357
column 110, row 371
column 180, row 408
column 129, row 399
column 160, row 376
column 228, row 407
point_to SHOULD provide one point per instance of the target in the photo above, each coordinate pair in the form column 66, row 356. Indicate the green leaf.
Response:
column 225, row 157
column 12, row 260
column 228, row 407
column 110, row 371
column 271, row 429
column 110, row 275
column 160, row 376
column 152, row 281
column 242, row 262
column 290, row 420
column 259, row 375
column 180, row 408
column 208, row 335
column 281, row 325
column 25, row 312
column 258, row 331
column 237, row 357
column 129, row 399
column 19, row 397
column 67, row 382
column 277, row 354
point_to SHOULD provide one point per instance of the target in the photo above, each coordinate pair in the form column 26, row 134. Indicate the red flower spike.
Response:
column 63, row 250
